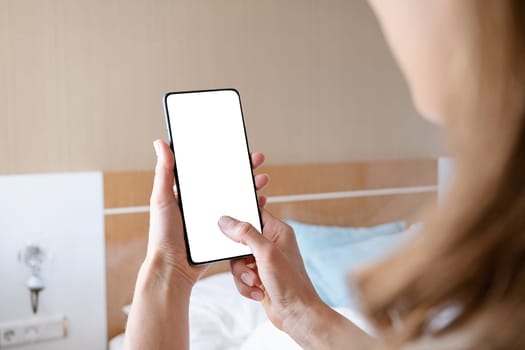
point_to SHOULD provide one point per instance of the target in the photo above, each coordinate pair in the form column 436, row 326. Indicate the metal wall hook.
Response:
column 34, row 299
column 35, row 285
column 33, row 256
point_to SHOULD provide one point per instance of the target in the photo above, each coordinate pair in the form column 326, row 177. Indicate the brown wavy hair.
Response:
column 470, row 258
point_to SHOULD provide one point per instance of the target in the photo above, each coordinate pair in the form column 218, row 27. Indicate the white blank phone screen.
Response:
column 213, row 169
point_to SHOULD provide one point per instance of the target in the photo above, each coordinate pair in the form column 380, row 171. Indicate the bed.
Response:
column 344, row 214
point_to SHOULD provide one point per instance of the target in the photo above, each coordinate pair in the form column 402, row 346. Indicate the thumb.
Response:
column 162, row 193
column 244, row 233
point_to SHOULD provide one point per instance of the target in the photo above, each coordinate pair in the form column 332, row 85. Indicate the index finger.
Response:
column 246, row 234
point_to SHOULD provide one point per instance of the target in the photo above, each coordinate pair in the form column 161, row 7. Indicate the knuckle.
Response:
column 246, row 294
column 270, row 253
column 288, row 230
column 160, row 202
column 156, row 200
column 243, row 289
column 237, row 270
column 244, row 228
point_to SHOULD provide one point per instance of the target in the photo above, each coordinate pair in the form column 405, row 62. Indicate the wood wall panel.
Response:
column 127, row 189
column 366, row 211
column 333, row 177
column 126, row 241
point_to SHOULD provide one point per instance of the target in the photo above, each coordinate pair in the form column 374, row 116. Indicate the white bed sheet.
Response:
column 222, row 319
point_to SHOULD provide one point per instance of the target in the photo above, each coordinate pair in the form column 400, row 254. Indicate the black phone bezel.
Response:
column 170, row 137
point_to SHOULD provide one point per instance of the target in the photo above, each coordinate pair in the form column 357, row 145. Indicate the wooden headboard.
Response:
column 350, row 194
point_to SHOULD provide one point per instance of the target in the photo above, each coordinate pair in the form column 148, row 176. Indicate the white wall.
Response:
column 63, row 212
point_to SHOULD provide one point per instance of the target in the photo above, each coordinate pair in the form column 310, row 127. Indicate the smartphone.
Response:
column 213, row 170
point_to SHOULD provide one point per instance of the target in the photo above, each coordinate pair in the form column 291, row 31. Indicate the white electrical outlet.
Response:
column 32, row 330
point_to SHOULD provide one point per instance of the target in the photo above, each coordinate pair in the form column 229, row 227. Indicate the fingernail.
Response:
column 156, row 147
column 257, row 295
column 226, row 222
column 245, row 277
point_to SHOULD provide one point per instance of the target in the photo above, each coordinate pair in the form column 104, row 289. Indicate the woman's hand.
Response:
column 159, row 314
column 166, row 248
column 275, row 275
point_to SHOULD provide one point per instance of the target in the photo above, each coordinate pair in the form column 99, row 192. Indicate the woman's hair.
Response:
column 470, row 260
